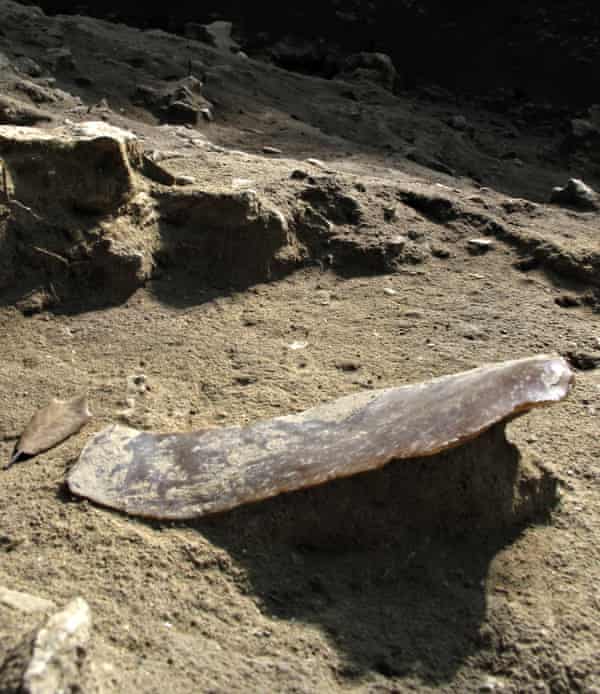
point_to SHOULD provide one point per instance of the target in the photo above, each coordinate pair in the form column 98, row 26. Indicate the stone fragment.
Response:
column 51, row 425
column 179, row 104
column 492, row 684
column 207, row 114
column 217, row 470
column 576, row 194
column 316, row 162
column 479, row 246
column 59, row 650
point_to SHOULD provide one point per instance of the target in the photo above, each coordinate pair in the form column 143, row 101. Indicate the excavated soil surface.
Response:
column 362, row 276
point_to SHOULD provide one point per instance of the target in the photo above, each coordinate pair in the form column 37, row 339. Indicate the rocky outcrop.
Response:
column 179, row 104
column 84, row 169
column 64, row 220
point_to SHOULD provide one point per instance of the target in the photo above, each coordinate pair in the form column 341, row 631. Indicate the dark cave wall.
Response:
column 545, row 51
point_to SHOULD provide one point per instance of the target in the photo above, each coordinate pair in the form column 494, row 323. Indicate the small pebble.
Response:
column 242, row 182
column 297, row 345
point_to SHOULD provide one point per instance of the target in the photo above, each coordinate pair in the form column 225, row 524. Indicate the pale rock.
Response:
column 207, row 114
column 86, row 167
column 93, row 129
column 479, row 246
column 576, row 194
column 58, row 650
